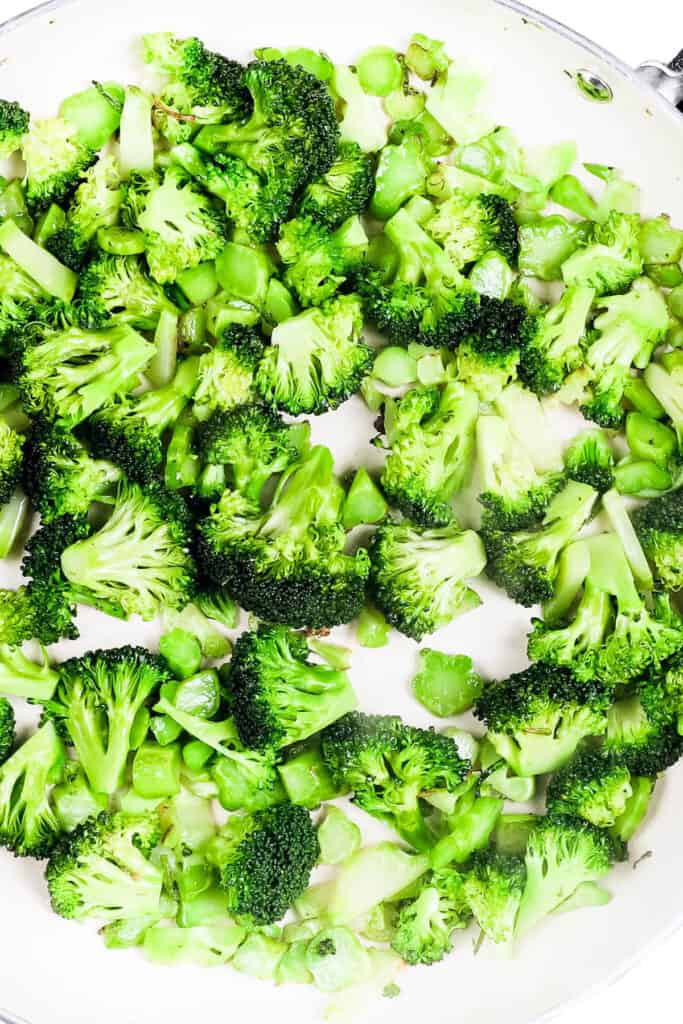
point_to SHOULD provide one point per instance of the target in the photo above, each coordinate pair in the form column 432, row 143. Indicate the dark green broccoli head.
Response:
column 116, row 288
column 28, row 823
column 342, row 191
column 277, row 695
column 102, row 869
column 96, row 702
column 6, row 728
column 17, row 617
column 554, row 339
column 11, row 460
column 642, row 732
column 209, row 79
column 432, row 448
column 659, row 525
column 50, row 597
column 592, row 786
column 55, row 161
column 469, row 226
column 395, row 308
column 95, row 205
column 493, row 887
column 14, row 122
column 537, row 718
column 318, row 260
column 226, row 372
column 487, row 359
column 418, row 577
column 316, row 360
column 265, row 861
column 590, row 460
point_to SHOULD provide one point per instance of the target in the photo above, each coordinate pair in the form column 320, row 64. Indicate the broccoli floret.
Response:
column 514, row 494
column 28, row 824
column 68, row 375
column 6, row 729
column 59, row 475
column 590, row 460
column 468, row 226
column 493, row 887
column 116, row 288
column 562, row 854
column 487, row 359
column 388, row 765
column 642, row 733
column 265, row 861
column 318, row 261
column 425, row 924
column 226, row 372
column 525, row 563
column 402, row 171
column 418, row 294
column 287, row 564
column 316, row 360
column 180, row 225
column 251, row 444
column 96, row 702
column 47, row 606
column 612, row 634
column 138, row 562
column 659, row 525
column 611, row 260
column 14, row 122
column 629, row 329
column 22, row 303
column 592, row 786
column 553, row 341
column 129, row 434
column 95, row 205
column 55, row 161
column 342, row 191
column 11, row 460
column 17, row 616
column 21, row 677
column 277, row 695
column 418, row 576
column 102, row 869
column 537, row 718
column 431, row 437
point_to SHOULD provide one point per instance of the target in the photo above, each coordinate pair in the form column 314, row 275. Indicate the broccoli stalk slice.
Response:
column 28, row 823
column 667, row 387
column 136, row 142
column 38, row 263
column 21, row 677
column 402, row 172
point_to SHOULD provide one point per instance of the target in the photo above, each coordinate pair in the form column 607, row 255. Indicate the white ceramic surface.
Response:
column 54, row 972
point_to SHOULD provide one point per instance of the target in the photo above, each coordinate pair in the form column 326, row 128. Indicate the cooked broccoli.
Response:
column 562, row 854
column 117, row 288
column 14, row 122
column 59, row 476
column 402, row 171
column 28, row 824
column 129, row 433
column 277, row 695
column 514, row 495
column 180, row 225
column 316, row 360
column 611, row 260
column 487, row 358
column 24, row 302
column 138, row 562
column 431, row 436
column 593, row 786
column 666, row 384
column 666, row 691
column 11, row 460
column 493, row 887
column 642, row 731
column 96, row 702
column 95, row 205
column 342, row 191
column 74, row 800
column 417, row 293
column 226, row 372
column 68, row 375
column 538, row 717
column 247, row 780
column 317, row 260
column 614, row 634
column 388, row 765
column 102, row 869
column 287, row 564
column 425, row 924
column 21, row 677
column 590, row 460
column 629, row 328
column 659, row 525
column 264, row 861
column 468, row 226
column 55, row 160
column 6, row 729
column 418, row 576
column 553, row 340
column 248, row 445
column 525, row 563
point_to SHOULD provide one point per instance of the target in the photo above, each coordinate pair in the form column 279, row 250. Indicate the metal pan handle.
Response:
column 665, row 78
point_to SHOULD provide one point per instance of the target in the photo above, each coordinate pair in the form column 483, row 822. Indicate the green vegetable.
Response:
column 446, row 684
column 181, row 652
column 364, row 501
column 156, row 771
column 338, row 837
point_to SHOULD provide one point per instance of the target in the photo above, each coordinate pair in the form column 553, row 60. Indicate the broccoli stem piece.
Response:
column 38, row 263
column 21, row 677
column 136, row 144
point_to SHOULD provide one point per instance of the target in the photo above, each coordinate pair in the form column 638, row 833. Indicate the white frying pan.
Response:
column 56, row 972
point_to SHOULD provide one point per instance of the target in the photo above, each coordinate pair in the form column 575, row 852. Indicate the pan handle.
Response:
column 665, row 78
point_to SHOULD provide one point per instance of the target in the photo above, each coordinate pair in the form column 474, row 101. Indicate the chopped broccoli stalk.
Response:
column 372, row 629
column 470, row 827
column 402, row 172
column 55, row 159
column 589, row 459
column 637, row 806
column 116, row 289
column 666, row 384
column 493, row 886
column 649, row 439
column 103, row 870
column 431, row 437
column 22, row 677
column 136, row 139
column 192, row 619
column 342, row 191
column 362, row 121
column 306, row 780
column 181, row 651
column 94, row 112
column 74, row 800
column 155, row 771
column 319, row 261
column 364, row 501
column 456, row 101
column 446, row 684
column 371, row 876
column 659, row 526
column 29, row 826
column 47, row 272
column 611, row 260
column 95, row 205
column 338, row 836
column 538, row 717
column 244, row 271
column 278, row 696
column 388, row 765
column 425, row 924
column 593, row 787
column 553, row 341
column 14, row 516
column 620, row 521
column 97, row 699
column 545, row 244
column 14, row 123
column 641, row 478
column 418, row 576
column 426, row 57
column 526, row 419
